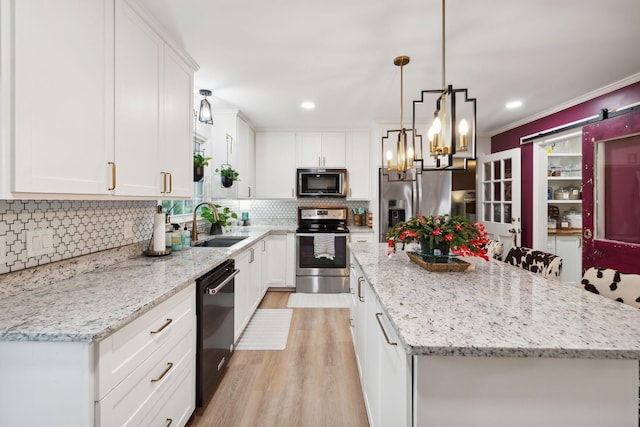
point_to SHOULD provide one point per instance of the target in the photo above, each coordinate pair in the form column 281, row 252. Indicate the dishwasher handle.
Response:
column 210, row 291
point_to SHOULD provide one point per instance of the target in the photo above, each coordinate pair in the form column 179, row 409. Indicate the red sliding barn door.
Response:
column 611, row 193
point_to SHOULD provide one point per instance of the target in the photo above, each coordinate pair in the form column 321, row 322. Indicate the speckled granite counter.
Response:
column 90, row 306
column 497, row 310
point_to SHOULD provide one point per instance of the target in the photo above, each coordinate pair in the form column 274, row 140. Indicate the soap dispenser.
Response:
column 186, row 237
column 176, row 238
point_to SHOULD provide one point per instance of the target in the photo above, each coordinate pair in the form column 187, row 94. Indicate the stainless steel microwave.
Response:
column 319, row 182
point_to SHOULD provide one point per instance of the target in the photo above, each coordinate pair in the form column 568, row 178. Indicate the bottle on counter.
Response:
column 176, row 238
column 186, row 237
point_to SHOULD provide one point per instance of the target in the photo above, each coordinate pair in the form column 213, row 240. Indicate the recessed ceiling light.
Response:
column 308, row 105
column 513, row 104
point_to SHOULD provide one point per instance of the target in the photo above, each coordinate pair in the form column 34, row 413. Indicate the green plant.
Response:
column 229, row 173
column 225, row 215
column 200, row 160
column 462, row 236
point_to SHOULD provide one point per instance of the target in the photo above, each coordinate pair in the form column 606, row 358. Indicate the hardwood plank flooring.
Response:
column 313, row 382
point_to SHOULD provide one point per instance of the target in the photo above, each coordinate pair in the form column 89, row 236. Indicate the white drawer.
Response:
column 133, row 398
column 177, row 404
column 124, row 350
column 361, row 237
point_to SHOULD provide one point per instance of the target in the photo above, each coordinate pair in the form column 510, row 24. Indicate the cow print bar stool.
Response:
column 542, row 263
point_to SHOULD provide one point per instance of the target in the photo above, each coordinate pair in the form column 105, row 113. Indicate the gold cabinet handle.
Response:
column 113, row 175
column 169, row 422
column 360, row 296
column 386, row 337
column 170, row 182
column 351, row 322
column 249, row 192
column 252, row 256
column 164, row 182
column 161, row 328
column 166, row 371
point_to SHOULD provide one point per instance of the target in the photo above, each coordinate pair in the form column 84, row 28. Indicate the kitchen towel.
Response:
column 323, row 246
column 158, row 232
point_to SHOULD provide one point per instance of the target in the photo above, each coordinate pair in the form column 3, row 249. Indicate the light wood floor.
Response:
column 313, row 382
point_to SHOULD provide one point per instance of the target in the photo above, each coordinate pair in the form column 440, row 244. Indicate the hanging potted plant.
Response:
column 227, row 175
column 199, row 162
column 225, row 214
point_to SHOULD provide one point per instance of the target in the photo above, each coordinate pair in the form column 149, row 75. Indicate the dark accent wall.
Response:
column 511, row 139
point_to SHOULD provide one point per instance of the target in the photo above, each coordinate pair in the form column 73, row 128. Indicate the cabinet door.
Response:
column 275, row 165
column 358, row 166
column 570, row 249
column 176, row 127
column 224, row 144
column 138, row 56
column 309, row 149
column 361, row 237
column 276, row 264
column 255, row 281
column 334, row 149
column 63, row 103
column 246, row 159
column 241, row 299
column 395, row 376
column 292, row 260
column 371, row 365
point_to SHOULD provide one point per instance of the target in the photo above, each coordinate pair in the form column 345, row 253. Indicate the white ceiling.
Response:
column 266, row 57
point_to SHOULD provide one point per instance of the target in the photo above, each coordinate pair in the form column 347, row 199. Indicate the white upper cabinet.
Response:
column 176, row 147
column 92, row 98
column 138, row 59
column 275, row 165
column 233, row 143
column 358, row 166
column 321, row 149
column 62, row 95
column 153, row 100
column 246, row 159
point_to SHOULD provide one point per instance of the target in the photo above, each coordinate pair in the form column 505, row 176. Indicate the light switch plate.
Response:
column 39, row 242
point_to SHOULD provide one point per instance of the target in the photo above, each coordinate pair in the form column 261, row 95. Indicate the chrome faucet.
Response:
column 194, row 225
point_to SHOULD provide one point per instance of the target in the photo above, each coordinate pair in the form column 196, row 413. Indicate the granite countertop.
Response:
column 90, row 306
column 497, row 310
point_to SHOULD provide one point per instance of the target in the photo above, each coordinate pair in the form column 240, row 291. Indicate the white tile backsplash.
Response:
column 80, row 227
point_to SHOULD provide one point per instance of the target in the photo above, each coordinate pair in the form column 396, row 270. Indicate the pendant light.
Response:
column 452, row 126
column 204, row 115
column 404, row 152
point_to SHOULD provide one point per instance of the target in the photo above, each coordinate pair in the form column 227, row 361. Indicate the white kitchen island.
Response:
column 497, row 346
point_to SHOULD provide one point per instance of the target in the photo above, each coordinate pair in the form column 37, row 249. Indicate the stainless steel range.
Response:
column 322, row 254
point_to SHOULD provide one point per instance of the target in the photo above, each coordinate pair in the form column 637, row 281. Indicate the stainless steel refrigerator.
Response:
column 429, row 194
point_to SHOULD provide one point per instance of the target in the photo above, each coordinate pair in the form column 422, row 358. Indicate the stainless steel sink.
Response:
column 222, row 241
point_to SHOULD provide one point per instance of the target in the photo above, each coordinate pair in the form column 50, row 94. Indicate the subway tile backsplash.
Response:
column 82, row 227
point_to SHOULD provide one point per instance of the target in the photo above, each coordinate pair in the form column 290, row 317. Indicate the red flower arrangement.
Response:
column 463, row 237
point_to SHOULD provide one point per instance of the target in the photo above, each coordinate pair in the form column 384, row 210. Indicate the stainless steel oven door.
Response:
column 308, row 265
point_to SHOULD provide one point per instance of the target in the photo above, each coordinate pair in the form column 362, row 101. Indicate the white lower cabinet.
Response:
column 569, row 248
column 358, row 237
column 141, row 363
column 279, row 264
column 249, row 288
column 384, row 366
column 143, row 371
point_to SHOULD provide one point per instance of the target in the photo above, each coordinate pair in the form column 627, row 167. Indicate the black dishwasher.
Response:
column 214, row 308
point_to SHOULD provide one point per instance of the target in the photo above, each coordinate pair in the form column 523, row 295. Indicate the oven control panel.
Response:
column 323, row 213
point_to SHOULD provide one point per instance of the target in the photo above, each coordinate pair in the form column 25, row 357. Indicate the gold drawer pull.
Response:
column 166, row 371
column 113, row 175
column 360, row 294
column 167, row 323
column 386, row 337
column 169, row 422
